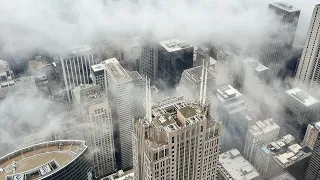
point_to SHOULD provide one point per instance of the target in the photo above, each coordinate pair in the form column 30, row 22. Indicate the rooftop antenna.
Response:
column 149, row 101
column 146, row 98
column 201, row 84
column 205, row 87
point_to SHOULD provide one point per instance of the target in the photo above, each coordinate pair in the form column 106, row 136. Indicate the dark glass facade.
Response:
column 172, row 64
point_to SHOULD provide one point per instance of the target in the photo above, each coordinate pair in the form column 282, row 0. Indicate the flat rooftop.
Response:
column 284, row 176
column 301, row 96
column 255, row 65
column 175, row 45
column 120, row 175
column 196, row 73
column 274, row 147
column 263, row 127
column 237, row 166
column 226, row 92
column 35, row 157
column 285, row 6
column 80, row 49
column 116, row 71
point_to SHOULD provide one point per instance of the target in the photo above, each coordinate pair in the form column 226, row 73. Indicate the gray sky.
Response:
column 59, row 24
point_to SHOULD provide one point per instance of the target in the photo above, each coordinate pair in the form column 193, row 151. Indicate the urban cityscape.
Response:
column 160, row 90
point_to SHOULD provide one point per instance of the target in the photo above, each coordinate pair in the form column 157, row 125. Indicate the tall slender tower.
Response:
column 308, row 72
column 276, row 50
column 120, row 94
column 93, row 108
column 180, row 141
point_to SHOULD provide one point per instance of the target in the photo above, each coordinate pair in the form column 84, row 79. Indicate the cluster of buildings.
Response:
column 227, row 125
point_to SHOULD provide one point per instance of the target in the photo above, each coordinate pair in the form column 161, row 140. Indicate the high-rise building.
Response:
column 307, row 75
column 284, row 176
column 190, row 82
column 311, row 135
column 262, row 132
column 52, row 160
column 92, row 105
column 233, row 166
column 120, row 94
column 75, row 67
column 131, row 51
column 148, row 62
column 232, row 115
column 300, row 110
column 282, row 155
column 179, row 140
column 139, row 90
column 276, row 50
column 313, row 170
column 174, row 56
column 225, row 72
column 202, row 56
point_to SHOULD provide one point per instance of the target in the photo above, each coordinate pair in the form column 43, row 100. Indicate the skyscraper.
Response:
column 309, row 68
column 232, row 115
column 120, row 94
column 190, row 82
column 179, row 141
column 313, row 170
column 276, row 50
column 75, row 67
column 148, row 62
column 300, row 110
column 174, row 56
column 93, row 108
column 260, row 133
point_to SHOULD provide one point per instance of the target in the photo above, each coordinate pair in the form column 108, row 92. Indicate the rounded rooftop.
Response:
column 40, row 160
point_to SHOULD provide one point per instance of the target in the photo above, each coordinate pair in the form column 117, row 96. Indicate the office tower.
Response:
column 5, row 72
column 301, row 109
column 281, row 155
column 276, row 50
column 233, row 166
column 174, row 56
column 92, row 106
column 139, row 90
column 120, row 175
column 52, row 160
column 284, row 176
column 201, row 56
column 148, row 63
column 131, row 51
column 313, row 169
column 307, row 75
column 224, row 72
column 98, row 76
column 190, row 82
column 311, row 135
column 76, row 67
column 260, row 133
column 232, row 115
column 179, row 140
column 120, row 90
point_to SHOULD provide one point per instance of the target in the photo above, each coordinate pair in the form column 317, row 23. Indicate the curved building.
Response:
column 58, row 160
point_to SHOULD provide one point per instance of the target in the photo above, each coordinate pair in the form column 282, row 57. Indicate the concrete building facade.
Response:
column 179, row 141
column 300, row 109
column 308, row 75
column 92, row 105
column 260, row 133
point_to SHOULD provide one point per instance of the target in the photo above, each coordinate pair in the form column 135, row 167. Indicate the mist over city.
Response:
column 159, row 90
